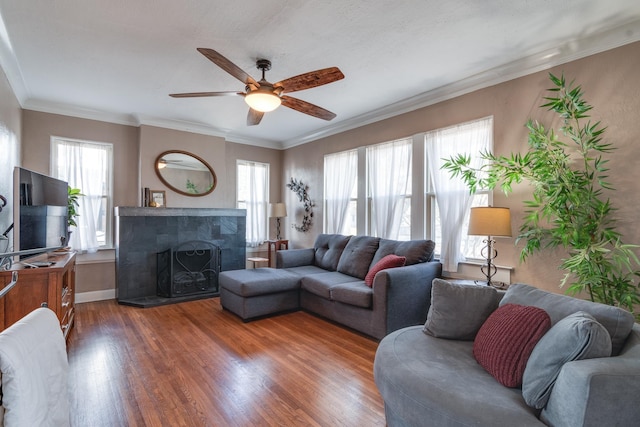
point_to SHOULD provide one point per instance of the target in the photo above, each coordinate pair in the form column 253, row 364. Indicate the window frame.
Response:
column 53, row 164
column 353, row 198
column 422, row 203
column 267, row 166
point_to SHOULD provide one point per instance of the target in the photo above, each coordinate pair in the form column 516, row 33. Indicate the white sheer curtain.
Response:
column 452, row 194
column 85, row 166
column 388, row 175
column 340, row 177
column 253, row 185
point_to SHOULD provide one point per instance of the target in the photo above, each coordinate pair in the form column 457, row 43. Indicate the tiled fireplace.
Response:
column 143, row 233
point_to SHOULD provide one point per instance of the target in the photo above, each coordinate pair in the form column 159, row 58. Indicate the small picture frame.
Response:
column 158, row 199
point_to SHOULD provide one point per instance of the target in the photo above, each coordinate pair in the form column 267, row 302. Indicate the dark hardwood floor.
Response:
column 193, row 364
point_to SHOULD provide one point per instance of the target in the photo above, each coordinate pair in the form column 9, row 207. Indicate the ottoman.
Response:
column 259, row 292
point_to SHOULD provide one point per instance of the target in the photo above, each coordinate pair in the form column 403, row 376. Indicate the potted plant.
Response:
column 569, row 206
column 72, row 206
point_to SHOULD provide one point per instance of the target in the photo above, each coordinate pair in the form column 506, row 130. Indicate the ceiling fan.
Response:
column 262, row 96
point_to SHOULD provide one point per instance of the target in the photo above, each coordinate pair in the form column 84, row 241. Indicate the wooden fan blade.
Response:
column 227, row 65
column 307, row 108
column 311, row 79
column 254, row 117
column 197, row 94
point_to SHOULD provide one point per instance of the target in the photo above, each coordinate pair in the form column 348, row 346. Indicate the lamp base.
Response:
column 278, row 237
column 498, row 285
column 489, row 269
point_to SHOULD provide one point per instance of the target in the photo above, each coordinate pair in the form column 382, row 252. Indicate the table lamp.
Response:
column 277, row 211
column 491, row 222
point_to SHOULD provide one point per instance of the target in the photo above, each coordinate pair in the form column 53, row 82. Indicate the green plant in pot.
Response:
column 569, row 206
column 72, row 205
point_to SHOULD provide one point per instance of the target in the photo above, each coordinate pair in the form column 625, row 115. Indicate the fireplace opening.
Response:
column 191, row 268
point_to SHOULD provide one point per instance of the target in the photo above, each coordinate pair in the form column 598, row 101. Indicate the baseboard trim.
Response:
column 95, row 296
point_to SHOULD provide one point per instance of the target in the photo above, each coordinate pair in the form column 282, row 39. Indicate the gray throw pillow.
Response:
column 615, row 319
column 329, row 248
column 357, row 255
column 458, row 311
column 576, row 337
column 414, row 251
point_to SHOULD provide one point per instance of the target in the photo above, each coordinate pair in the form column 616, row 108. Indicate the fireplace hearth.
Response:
column 143, row 233
column 190, row 268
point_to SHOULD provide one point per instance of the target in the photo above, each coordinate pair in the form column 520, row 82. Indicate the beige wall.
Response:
column 38, row 128
column 155, row 140
column 611, row 83
column 135, row 151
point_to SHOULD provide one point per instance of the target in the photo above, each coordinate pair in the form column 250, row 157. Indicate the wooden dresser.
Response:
column 53, row 286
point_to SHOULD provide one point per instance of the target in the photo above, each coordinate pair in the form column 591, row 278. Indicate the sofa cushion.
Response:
column 328, row 248
column 415, row 251
column 389, row 261
column 436, row 382
column 507, row 338
column 576, row 337
column 458, row 311
column 321, row 284
column 353, row 293
column 305, row 270
column 258, row 281
column 357, row 255
column 618, row 322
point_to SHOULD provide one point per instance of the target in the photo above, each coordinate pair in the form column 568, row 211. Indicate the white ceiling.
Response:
column 118, row 60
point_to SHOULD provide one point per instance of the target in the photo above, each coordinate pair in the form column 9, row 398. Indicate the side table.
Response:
column 276, row 245
column 256, row 260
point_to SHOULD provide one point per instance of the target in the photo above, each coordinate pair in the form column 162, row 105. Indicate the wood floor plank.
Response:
column 194, row 364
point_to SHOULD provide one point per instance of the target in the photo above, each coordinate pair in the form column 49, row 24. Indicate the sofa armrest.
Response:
column 295, row 258
column 598, row 392
column 404, row 293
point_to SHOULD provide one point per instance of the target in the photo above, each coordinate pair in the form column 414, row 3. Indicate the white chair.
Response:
column 34, row 366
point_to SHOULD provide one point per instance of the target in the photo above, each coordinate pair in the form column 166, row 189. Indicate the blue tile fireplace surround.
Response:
column 142, row 233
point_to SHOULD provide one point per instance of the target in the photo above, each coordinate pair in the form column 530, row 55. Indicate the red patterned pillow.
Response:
column 507, row 338
column 389, row 261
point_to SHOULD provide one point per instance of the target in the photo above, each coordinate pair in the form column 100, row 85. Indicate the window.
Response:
column 373, row 186
column 87, row 166
column 341, row 192
column 448, row 200
column 389, row 187
column 252, row 195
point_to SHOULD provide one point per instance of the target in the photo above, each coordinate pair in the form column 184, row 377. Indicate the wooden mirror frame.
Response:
column 172, row 186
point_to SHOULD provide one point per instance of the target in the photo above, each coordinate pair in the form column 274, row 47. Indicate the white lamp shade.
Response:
column 263, row 101
column 277, row 210
column 490, row 221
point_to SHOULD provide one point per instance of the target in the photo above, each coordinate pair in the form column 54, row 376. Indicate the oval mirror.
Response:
column 185, row 173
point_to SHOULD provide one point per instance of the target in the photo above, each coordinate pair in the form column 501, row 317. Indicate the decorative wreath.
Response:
column 301, row 191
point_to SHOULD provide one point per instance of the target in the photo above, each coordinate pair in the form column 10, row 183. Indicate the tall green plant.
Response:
column 569, row 207
column 72, row 205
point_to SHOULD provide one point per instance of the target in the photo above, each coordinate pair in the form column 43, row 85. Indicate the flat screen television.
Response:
column 39, row 212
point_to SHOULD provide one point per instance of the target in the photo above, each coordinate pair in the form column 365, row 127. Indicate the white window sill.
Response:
column 101, row 256
column 471, row 270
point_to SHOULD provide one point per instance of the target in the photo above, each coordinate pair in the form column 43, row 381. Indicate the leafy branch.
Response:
column 569, row 207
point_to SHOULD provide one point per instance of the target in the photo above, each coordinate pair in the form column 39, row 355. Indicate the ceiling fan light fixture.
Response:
column 263, row 101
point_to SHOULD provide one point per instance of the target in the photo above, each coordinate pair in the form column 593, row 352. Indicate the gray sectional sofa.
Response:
column 432, row 381
column 328, row 280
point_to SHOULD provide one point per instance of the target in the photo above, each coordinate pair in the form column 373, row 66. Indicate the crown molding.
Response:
column 198, row 128
column 79, row 112
column 569, row 50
